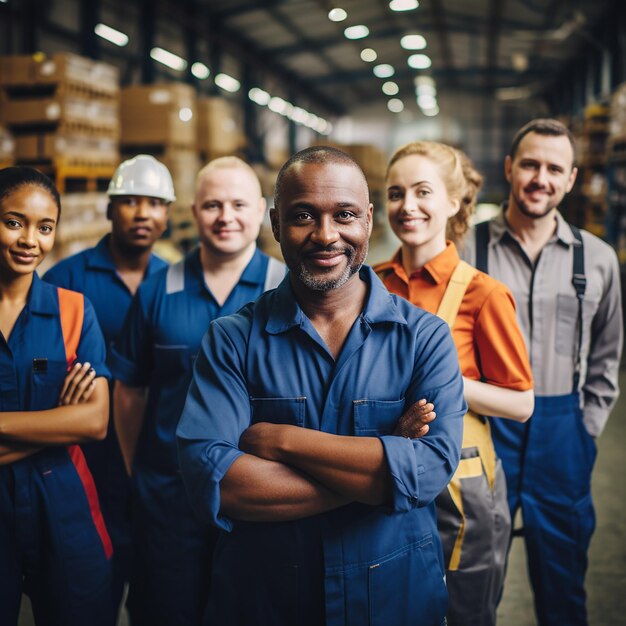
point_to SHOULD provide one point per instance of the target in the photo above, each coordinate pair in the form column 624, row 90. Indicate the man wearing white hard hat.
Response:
column 153, row 358
column 109, row 274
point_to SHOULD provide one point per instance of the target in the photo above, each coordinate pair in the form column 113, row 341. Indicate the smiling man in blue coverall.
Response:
column 291, row 437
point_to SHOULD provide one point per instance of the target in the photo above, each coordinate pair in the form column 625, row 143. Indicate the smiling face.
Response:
column 229, row 210
column 418, row 203
column 323, row 223
column 540, row 174
column 28, row 219
column 137, row 221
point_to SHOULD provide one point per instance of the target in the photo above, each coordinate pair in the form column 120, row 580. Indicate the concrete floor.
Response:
column 606, row 578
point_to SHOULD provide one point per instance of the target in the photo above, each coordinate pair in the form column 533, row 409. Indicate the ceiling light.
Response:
column 259, row 96
column 168, row 58
column 311, row 120
column 110, row 34
column 384, row 70
column 227, row 83
column 298, row 115
column 200, row 70
column 368, row 55
column 426, row 90
column 403, row 5
column 356, row 32
column 431, row 112
column 413, row 42
column 419, row 61
column 395, row 105
column 426, row 101
column 423, row 80
column 185, row 114
column 337, row 15
column 278, row 105
column 390, row 88
column 519, row 61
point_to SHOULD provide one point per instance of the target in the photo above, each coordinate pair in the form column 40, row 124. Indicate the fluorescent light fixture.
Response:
column 426, row 102
column 425, row 90
column 299, row 115
column 390, row 88
column 413, row 42
column 384, row 70
column 431, row 112
column 337, row 15
column 403, row 5
column 169, row 59
column 312, row 120
column 278, row 105
column 108, row 33
column 395, row 105
column 259, row 96
column 368, row 55
column 419, row 61
column 227, row 83
column 185, row 114
column 356, row 32
column 418, row 81
column 200, row 70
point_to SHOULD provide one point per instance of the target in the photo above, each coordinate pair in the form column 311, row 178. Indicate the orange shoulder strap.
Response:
column 72, row 312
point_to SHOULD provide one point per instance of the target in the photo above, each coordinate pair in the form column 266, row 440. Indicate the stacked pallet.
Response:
column 63, row 112
column 161, row 120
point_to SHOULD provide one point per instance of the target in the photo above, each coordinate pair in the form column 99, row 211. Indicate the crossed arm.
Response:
column 289, row 472
column 82, row 415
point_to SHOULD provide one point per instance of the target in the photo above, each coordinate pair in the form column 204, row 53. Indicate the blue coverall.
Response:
column 93, row 273
column 53, row 542
column 358, row 564
column 161, row 337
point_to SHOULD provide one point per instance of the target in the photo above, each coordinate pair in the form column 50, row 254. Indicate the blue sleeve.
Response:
column 132, row 354
column 91, row 346
column 421, row 468
column 61, row 276
column 216, row 413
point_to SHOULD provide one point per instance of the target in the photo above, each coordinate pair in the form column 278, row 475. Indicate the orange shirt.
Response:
column 488, row 339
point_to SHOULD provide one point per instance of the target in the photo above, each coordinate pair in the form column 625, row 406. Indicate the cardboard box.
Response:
column 63, row 67
column 220, row 131
column 59, row 108
column 159, row 114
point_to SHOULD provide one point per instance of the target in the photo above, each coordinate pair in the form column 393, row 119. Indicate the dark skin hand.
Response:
column 260, row 438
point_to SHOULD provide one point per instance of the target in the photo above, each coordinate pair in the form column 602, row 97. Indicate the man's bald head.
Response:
column 228, row 163
column 319, row 155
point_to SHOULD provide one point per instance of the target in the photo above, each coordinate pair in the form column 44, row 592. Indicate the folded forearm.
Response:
column 11, row 452
column 257, row 490
column 486, row 399
column 62, row 425
column 354, row 467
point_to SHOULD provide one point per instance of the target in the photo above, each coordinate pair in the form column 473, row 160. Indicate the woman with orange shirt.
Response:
column 431, row 192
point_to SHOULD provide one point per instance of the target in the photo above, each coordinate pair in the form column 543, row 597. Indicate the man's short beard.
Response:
column 523, row 209
column 322, row 284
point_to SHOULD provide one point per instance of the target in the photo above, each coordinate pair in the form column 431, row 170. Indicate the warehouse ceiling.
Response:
column 510, row 50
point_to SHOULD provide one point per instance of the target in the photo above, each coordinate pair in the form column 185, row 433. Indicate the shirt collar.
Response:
column 499, row 227
column 438, row 268
column 99, row 257
column 41, row 297
column 380, row 307
column 251, row 275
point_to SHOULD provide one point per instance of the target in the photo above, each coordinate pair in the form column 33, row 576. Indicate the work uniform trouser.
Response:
column 474, row 525
column 113, row 484
column 548, row 463
column 172, row 555
column 53, row 544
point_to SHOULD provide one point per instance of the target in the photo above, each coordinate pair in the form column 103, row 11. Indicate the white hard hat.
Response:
column 142, row 175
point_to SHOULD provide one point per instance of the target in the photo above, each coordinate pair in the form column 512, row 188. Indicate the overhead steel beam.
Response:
column 246, row 51
column 89, row 17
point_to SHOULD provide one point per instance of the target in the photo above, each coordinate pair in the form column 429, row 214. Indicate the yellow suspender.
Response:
column 452, row 298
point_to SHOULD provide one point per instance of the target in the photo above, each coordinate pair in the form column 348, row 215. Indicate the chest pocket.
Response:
column 376, row 417
column 172, row 362
column 279, row 410
column 46, row 386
